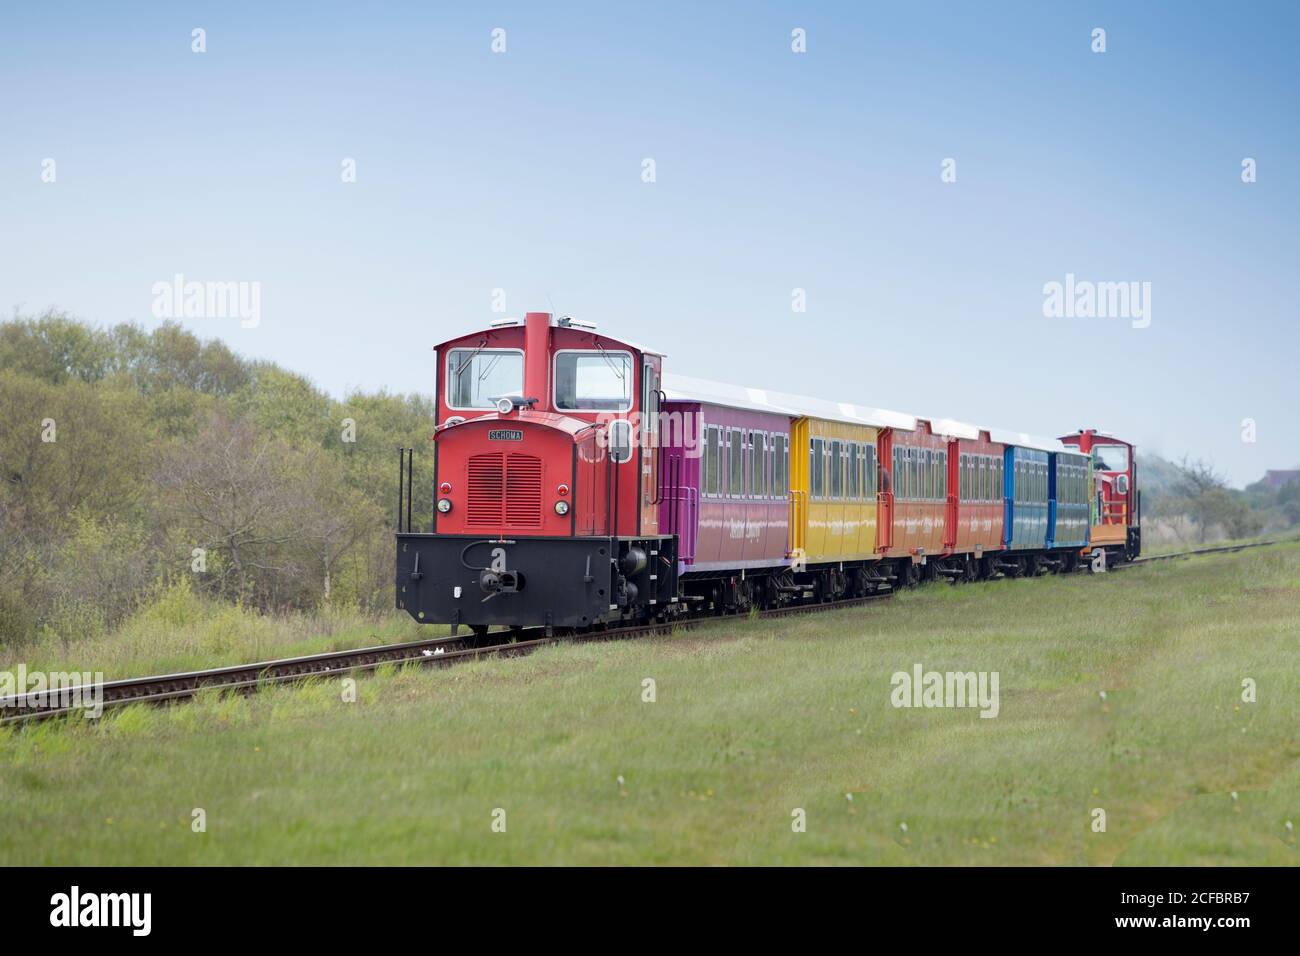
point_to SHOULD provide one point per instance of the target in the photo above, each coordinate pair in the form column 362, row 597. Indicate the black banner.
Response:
column 977, row 906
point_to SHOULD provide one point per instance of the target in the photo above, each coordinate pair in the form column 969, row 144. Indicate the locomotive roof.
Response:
column 557, row 323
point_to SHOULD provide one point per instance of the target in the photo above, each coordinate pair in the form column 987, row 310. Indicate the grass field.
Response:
column 181, row 631
column 752, row 720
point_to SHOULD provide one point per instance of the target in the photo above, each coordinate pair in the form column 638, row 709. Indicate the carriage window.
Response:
column 712, row 460
column 837, row 470
column 736, row 462
column 476, row 378
column 779, row 477
column 816, row 467
column 869, row 476
column 593, row 381
column 756, row 469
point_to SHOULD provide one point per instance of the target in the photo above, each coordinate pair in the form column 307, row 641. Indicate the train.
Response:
column 578, row 486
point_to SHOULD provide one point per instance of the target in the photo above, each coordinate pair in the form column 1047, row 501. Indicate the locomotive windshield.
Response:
column 593, row 381
column 1110, row 457
column 476, row 378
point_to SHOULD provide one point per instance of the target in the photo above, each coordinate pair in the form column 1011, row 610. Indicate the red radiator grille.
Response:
column 505, row 491
column 523, row 491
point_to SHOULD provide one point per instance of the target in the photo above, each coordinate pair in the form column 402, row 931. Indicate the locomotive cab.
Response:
column 545, row 464
column 1116, row 509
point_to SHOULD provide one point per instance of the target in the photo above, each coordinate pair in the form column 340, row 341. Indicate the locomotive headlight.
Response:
column 444, row 505
column 505, row 406
column 561, row 507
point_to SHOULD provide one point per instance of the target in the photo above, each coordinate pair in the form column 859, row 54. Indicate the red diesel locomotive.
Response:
column 547, row 509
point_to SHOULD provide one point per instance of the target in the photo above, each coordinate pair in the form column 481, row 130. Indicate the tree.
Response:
column 1205, row 497
column 232, row 488
column 336, row 516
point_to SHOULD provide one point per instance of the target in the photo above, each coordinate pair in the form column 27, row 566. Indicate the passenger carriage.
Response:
column 973, row 532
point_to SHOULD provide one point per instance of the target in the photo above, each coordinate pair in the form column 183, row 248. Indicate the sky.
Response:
column 922, row 172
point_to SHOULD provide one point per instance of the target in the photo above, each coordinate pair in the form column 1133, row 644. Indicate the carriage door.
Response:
column 885, row 490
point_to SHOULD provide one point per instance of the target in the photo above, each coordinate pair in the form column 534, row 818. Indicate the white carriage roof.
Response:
column 1025, row 440
column 684, row 388
column 951, row 428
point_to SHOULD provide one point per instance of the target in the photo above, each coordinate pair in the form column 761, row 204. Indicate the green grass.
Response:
column 181, row 631
column 752, row 720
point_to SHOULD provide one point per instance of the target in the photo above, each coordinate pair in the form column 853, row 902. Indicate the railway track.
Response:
column 439, row 652
column 247, row 678
column 1225, row 549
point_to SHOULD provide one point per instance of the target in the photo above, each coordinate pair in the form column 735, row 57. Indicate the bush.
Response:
column 17, row 622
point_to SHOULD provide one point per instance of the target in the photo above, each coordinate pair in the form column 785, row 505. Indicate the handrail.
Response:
column 688, row 533
column 798, row 519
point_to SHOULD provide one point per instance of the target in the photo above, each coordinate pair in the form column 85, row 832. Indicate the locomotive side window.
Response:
column 476, row 378
column 1110, row 457
column 650, row 403
column 593, row 381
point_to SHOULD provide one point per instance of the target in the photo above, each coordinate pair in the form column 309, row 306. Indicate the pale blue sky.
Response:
column 775, row 170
